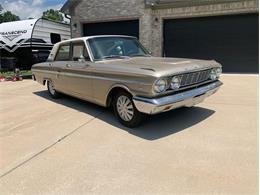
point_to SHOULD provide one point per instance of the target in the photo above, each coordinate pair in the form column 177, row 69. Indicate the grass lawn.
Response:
column 11, row 73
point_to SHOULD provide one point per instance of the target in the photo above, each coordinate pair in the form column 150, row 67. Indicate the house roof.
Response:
column 180, row 3
column 68, row 5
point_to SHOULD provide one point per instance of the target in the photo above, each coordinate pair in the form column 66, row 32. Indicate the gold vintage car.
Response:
column 118, row 71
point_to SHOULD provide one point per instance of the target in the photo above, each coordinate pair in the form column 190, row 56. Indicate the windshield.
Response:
column 116, row 47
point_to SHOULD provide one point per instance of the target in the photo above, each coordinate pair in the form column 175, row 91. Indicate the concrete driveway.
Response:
column 68, row 146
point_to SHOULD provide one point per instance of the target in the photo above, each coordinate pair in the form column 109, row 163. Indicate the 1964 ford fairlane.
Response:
column 118, row 71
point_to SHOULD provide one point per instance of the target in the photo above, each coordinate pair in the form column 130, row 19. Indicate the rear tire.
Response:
column 126, row 111
column 53, row 93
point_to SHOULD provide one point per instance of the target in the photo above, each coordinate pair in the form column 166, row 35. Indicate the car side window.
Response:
column 79, row 51
column 63, row 53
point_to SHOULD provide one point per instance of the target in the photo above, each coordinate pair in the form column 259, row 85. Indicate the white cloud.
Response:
column 25, row 9
column 37, row 2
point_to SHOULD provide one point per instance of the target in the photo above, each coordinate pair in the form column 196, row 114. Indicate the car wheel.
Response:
column 53, row 93
column 126, row 111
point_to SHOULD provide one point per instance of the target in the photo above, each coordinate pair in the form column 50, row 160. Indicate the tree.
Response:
column 53, row 15
column 1, row 8
column 8, row 17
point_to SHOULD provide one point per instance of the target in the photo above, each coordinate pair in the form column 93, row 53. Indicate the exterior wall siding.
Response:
column 151, row 17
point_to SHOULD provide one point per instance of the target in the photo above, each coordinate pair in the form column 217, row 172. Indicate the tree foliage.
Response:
column 1, row 8
column 53, row 15
column 7, row 16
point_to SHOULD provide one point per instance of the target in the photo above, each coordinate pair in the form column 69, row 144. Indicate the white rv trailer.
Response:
column 24, row 43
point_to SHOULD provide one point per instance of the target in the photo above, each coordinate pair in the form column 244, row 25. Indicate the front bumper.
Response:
column 188, row 98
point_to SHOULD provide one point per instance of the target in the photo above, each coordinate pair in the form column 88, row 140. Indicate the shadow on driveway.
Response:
column 154, row 127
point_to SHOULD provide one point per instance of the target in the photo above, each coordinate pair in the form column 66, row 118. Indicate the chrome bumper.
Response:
column 187, row 98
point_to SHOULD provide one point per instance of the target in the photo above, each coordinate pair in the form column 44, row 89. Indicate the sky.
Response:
column 30, row 8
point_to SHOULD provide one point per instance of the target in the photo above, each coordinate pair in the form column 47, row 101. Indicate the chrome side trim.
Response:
column 187, row 98
column 88, row 76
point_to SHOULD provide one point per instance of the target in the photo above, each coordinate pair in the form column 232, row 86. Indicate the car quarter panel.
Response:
column 50, row 71
column 43, row 72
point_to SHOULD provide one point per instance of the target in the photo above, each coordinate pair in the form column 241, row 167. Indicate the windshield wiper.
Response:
column 114, row 56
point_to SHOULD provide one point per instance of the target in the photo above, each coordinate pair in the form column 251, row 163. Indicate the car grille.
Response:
column 194, row 77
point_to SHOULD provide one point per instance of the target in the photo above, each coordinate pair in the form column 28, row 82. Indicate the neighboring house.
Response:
column 224, row 30
column 25, row 42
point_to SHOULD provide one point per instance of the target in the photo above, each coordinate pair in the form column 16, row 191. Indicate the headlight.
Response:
column 175, row 83
column 213, row 74
column 160, row 86
column 218, row 71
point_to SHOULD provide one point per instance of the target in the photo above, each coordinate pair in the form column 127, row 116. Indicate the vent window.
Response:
column 55, row 38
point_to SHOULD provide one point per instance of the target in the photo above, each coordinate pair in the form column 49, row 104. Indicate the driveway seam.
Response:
column 50, row 146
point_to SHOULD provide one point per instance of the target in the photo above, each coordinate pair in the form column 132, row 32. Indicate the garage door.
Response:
column 231, row 40
column 130, row 28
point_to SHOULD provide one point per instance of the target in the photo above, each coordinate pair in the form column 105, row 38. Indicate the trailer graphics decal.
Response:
column 11, row 35
column 11, row 40
column 12, row 48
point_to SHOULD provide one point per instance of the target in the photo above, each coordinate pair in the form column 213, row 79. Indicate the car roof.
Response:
column 91, row 37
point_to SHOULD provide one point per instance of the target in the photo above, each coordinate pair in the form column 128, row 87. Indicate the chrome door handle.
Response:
column 68, row 65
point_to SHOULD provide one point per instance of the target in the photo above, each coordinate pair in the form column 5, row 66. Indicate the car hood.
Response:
column 163, row 66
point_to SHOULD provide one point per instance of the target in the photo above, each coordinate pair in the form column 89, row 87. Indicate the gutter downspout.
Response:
column 69, row 17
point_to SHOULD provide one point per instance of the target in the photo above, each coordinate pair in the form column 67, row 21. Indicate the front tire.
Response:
column 53, row 93
column 126, row 111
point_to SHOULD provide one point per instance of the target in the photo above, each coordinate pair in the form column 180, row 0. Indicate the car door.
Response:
column 58, row 66
column 77, row 72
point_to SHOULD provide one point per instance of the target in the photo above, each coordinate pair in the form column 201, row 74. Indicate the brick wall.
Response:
column 151, row 18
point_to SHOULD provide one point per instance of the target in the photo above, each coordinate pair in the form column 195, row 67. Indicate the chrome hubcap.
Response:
column 125, row 108
column 51, row 88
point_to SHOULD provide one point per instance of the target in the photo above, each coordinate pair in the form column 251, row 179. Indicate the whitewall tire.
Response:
column 51, row 89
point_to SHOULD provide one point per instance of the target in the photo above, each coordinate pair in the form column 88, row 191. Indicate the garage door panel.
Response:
column 231, row 40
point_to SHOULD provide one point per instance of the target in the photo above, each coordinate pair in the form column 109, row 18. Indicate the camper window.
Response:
column 79, row 50
column 55, row 38
column 63, row 53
